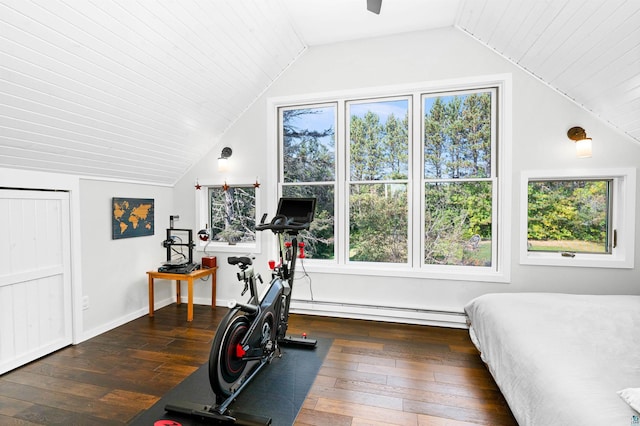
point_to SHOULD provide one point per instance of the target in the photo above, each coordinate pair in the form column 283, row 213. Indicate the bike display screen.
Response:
column 300, row 210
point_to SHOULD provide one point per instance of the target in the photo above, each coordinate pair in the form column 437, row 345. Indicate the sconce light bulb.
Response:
column 583, row 148
column 223, row 164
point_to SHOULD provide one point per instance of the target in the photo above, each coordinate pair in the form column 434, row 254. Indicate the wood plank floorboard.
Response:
column 374, row 374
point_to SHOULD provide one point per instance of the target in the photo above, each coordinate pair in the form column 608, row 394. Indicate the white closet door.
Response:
column 35, row 275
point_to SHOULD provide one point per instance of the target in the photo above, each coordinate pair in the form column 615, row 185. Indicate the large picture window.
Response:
column 407, row 184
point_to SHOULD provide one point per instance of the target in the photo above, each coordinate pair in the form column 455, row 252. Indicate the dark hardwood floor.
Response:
column 375, row 374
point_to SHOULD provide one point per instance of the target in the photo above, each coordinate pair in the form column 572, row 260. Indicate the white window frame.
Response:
column 347, row 182
column 622, row 216
column 500, row 271
column 493, row 179
column 337, row 175
column 203, row 215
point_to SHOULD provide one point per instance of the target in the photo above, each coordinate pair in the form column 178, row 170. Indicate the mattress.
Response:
column 560, row 359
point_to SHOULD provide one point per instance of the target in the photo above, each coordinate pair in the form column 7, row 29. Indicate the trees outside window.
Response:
column 378, row 178
column 583, row 218
column 308, row 147
column 232, row 214
column 458, row 179
column 569, row 215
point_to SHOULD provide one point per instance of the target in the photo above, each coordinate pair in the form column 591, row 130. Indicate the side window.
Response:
column 228, row 213
column 570, row 216
column 573, row 219
column 232, row 214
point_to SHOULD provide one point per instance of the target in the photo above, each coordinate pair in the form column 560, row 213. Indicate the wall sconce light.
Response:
column 583, row 143
column 223, row 160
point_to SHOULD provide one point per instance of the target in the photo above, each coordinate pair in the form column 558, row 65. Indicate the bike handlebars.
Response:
column 281, row 223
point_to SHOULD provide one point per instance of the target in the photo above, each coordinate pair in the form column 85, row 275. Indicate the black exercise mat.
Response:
column 278, row 391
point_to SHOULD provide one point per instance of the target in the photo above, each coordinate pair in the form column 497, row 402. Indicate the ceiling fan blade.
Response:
column 374, row 6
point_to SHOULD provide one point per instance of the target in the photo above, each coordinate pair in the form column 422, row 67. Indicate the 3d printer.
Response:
column 182, row 264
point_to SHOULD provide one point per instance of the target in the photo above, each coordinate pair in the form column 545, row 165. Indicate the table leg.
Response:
column 213, row 289
column 190, row 300
column 151, row 296
column 178, row 296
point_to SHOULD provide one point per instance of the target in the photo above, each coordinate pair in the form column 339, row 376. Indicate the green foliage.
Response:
column 378, row 213
column 309, row 171
column 378, row 151
column 568, row 210
column 457, row 222
column 378, row 224
column 308, row 153
column 457, row 145
column 457, row 136
column 319, row 239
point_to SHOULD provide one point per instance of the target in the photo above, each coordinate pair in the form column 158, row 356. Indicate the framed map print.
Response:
column 132, row 217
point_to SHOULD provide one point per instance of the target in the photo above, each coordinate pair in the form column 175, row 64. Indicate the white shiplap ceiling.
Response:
column 140, row 90
column 587, row 49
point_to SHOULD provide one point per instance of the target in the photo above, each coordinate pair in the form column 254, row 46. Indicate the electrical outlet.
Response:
column 85, row 303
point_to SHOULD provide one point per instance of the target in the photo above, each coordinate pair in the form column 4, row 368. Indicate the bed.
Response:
column 562, row 359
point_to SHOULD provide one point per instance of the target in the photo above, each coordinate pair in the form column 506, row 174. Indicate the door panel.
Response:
column 35, row 278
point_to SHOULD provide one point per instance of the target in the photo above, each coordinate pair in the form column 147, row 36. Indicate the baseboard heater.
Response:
column 442, row 318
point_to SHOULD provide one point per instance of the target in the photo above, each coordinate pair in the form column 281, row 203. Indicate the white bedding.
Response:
column 560, row 359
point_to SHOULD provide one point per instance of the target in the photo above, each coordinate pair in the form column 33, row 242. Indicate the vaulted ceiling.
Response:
column 140, row 90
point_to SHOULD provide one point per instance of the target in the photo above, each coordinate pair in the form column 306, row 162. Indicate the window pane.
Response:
column 308, row 136
column 568, row 215
column 379, row 140
column 457, row 136
column 458, row 223
column 233, row 214
column 378, row 228
column 319, row 239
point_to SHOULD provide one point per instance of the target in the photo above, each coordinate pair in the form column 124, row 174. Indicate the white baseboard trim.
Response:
column 88, row 334
column 435, row 317
column 198, row 300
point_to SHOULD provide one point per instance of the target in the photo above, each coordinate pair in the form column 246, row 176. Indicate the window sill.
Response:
column 403, row 271
column 228, row 248
column 581, row 260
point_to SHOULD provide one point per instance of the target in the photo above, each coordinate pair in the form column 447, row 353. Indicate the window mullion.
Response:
column 342, row 185
column 416, row 185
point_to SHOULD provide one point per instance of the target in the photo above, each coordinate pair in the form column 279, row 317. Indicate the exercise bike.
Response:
column 250, row 334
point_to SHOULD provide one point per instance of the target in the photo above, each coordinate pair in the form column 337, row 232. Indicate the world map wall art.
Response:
column 132, row 217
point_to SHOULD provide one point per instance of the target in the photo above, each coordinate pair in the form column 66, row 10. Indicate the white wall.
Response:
column 541, row 118
column 114, row 271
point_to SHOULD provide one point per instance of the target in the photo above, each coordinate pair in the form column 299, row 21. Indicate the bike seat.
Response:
column 243, row 260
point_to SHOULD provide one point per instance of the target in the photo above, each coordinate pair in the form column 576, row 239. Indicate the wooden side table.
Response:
column 200, row 273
